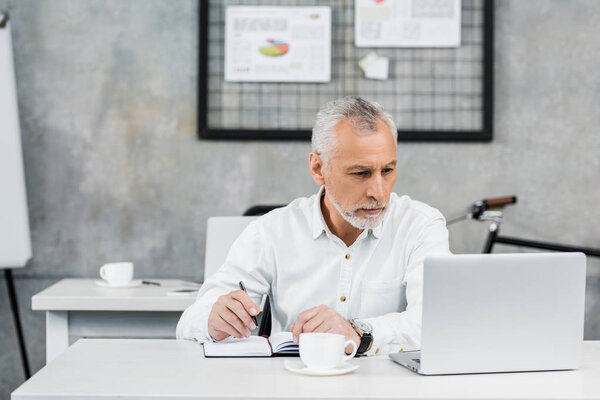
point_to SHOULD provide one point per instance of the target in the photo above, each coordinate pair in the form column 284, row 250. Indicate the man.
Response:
column 347, row 260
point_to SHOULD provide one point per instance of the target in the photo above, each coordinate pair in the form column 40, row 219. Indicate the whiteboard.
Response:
column 15, row 242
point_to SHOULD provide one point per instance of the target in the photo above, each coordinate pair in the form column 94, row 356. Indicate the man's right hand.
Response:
column 231, row 316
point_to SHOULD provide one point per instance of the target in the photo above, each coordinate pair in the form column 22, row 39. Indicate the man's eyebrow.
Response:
column 358, row 166
column 367, row 168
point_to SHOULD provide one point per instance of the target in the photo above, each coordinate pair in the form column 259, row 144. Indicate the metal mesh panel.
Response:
column 439, row 89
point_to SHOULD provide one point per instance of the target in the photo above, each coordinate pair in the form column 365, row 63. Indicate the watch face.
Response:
column 362, row 326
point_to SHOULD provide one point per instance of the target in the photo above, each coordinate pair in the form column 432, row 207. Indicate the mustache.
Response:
column 371, row 206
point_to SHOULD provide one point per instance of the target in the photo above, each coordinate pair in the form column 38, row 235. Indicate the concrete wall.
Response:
column 114, row 169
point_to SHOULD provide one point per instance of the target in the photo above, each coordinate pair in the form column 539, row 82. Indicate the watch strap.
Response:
column 365, row 342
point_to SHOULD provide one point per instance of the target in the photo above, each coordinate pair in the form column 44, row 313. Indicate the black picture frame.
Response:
column 483, row 135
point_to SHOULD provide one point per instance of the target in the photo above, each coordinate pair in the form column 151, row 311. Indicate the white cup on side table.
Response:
column 322, row 351
column 117, row 273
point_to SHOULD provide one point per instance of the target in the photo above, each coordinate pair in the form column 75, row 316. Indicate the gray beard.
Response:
column 369, row 222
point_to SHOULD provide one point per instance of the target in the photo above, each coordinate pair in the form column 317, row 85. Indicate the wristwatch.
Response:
column 364, row 329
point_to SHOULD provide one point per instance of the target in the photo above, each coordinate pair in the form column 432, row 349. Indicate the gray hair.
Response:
column 360, row 113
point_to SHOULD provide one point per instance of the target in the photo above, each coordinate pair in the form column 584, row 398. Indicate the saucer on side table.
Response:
column 131, row 284
column 299, row 367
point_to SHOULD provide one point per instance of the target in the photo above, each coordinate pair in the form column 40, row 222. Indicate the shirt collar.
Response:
column 379, row 228
column 319, row 227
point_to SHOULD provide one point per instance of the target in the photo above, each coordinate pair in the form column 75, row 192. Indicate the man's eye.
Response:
column 387, row 170
column 361, row 173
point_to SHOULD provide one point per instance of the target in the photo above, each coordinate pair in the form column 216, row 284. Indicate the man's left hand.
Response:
column 324, row 319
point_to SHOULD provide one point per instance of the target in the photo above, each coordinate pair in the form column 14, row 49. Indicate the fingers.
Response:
column 229, row 323
column 236, row 307
column 246, row 301
column 321, row 319
column 234, row 321
column 296, row 327
column 306, row 317
column 231, row 316
column 223, row 319
column 216, row 327
column 218, row 335
column 313, row 324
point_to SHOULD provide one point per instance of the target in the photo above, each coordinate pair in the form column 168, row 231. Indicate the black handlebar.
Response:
column 480, row 206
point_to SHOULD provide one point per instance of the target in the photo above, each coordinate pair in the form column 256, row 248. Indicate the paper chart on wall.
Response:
column 277, row 44
column 407, row 23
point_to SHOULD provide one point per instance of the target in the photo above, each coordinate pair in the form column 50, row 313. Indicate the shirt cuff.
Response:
column 194, row 326
column 384, row 341
column 381, row 336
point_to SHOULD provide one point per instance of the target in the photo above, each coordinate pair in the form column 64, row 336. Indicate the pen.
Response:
column 150, row 283
column 244, row 289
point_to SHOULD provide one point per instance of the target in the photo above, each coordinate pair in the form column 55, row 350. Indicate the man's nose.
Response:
column 375, row 189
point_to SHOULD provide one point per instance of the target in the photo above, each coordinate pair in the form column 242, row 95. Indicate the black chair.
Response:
column 261, row 209
column 265, row 321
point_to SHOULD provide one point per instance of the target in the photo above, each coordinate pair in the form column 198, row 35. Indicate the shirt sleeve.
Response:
column 249, row 260
column 395, row 332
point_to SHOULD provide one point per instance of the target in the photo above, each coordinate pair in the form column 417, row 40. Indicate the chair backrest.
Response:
column 262, row 209
column 221, row 232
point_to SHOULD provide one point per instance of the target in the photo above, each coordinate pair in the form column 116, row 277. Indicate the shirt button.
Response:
column 347, row 256
column 195, row 339
column 343, row 298
column 324, row 232
column 370, row 232
column 377, row 351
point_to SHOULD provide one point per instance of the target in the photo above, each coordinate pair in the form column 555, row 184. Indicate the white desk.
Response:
column 176, row 369
column 77, row 308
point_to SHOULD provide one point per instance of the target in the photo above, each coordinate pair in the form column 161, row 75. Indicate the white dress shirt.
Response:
column 291, row 255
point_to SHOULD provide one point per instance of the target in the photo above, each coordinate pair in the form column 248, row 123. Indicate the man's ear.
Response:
column 317, row 168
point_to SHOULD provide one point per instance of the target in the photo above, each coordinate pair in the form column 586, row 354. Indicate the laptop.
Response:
column 499, row 313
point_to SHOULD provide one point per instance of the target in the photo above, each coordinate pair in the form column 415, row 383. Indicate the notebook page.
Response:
column 232, row 347
column 283, row 342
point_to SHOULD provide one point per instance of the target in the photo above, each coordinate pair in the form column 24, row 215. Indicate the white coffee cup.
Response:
column 324, row 350
column 118, row 273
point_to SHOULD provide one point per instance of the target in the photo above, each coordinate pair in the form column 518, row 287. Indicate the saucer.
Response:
column 298, row 367
column 130, row 284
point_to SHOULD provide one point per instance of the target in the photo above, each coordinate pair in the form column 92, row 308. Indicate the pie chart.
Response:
column 274, row 48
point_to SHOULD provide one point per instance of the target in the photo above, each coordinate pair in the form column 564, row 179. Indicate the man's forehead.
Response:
column 373, row 157
column 366, row 150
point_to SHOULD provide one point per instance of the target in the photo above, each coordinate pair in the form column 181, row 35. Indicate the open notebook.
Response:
column 255, row 346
